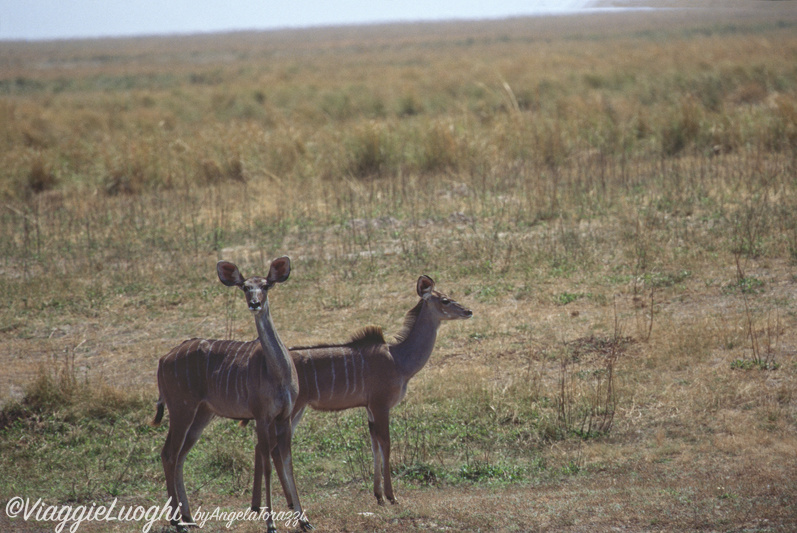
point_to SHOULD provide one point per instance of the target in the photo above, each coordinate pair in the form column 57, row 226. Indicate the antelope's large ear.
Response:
column 228, row 274
column 425, row 286
column 280, row 270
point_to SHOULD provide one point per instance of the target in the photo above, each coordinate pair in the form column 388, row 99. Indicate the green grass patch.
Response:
column 753, row 364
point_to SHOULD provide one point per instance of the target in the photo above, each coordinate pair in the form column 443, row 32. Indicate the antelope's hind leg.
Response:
column 179, row 426
column 202, row 418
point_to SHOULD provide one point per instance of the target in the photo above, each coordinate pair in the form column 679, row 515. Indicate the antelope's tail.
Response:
column 158, row 414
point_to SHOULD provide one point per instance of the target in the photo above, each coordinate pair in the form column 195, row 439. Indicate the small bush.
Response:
column 408, row 106
column 40, row 178
column 127, row 180
column 422, row 473
column 52, row 388
column 368, row 152
column 230, row 170
column 439, row 150
column 681, row 130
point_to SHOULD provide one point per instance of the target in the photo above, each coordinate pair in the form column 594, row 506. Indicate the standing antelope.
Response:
column 203, row 378
column 368, row 372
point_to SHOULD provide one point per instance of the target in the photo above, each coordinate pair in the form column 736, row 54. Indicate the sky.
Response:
column 65, row 19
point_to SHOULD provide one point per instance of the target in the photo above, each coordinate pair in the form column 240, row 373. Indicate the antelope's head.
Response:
column 255, row 288
column 442, row 305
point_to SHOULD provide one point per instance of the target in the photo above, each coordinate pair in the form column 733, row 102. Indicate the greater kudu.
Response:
column 203, row 378
column 372, row 373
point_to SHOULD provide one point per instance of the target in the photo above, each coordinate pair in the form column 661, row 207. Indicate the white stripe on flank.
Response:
column 217, row 384
column 353, row 373
column 188, row 373
column 306, row 383
column 346, row 369
column 362, row 371
column 332, row 388
column 240, row 383
column 317, row 390
column 199, row 374
column 229, row 372
column 207, row 370
column 252, row 347
column 238, row 373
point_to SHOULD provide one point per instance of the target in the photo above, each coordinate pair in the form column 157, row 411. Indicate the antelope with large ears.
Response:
column 204, row 378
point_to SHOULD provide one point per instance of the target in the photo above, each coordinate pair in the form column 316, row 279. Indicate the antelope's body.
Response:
column 229, row 379
column 359, row 373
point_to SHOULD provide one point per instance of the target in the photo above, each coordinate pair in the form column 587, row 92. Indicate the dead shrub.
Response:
column 214, row 173
column 127, row 179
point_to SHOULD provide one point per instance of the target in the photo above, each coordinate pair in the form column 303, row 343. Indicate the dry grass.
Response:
column 608, row 194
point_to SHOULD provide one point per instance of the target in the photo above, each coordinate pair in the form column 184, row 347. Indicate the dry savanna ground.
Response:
column 613, row 196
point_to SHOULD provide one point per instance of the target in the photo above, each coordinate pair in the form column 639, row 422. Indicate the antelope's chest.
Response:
column 400, row 393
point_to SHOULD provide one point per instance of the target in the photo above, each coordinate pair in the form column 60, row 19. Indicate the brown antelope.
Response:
column 203, row 378
column 368, row 372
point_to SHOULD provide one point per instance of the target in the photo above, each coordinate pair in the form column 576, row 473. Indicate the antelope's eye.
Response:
column 445, row 301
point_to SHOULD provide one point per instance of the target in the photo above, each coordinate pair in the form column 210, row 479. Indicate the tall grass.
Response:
column 151, row 136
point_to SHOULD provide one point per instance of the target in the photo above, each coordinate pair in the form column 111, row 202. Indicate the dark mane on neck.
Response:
column 372, row 335
column 409, row 322
column 368, row 336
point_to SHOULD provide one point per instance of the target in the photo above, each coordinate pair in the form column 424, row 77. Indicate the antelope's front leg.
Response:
column 283, row 462
column 276, row 458
column 382, row 423
column 257, row 487
column 379, row 429
column 263, row 448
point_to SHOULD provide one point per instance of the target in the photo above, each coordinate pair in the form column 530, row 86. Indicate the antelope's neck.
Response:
column 277, row 359
column 414, row 351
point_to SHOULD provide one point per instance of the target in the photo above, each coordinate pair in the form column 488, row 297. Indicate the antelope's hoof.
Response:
column 380, row 501
column 392, row 500
column 306, row 526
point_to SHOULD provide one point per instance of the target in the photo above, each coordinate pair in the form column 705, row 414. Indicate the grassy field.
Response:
column 614, row 196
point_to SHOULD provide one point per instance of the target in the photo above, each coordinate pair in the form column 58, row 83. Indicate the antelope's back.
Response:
column 341, row 376
column 204, row 367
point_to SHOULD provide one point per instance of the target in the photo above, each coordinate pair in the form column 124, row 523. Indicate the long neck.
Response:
column 277, row 358
column 414, row 350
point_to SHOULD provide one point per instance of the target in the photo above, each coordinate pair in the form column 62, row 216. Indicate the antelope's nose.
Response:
column 254, row 305
column 468, row 313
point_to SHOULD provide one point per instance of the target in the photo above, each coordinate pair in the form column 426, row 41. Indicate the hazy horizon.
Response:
column 37, row 20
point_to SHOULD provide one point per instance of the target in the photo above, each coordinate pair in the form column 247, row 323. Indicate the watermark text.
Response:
column 70, row 517
column 74, row 516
